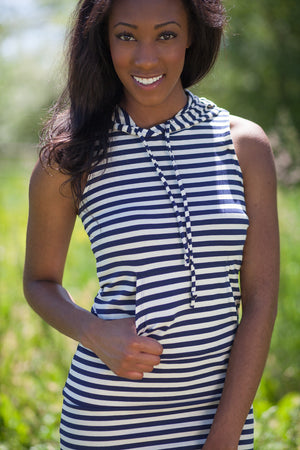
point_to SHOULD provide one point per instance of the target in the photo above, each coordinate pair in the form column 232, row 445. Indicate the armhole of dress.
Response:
column 82, row 206
column 233, row 148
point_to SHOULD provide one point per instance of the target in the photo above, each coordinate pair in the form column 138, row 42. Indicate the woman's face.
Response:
column 148, row 40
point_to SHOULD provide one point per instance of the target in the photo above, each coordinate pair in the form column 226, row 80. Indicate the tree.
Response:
column 30, row 62
column 257, row 75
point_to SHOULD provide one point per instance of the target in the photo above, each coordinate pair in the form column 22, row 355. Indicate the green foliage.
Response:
column 284, row 367
column 30, row 77
column 258, row 71
column 257, row 75
column 22, row 103
column 278, row 427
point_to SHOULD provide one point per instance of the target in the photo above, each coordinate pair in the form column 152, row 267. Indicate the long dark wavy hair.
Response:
column 75, row 138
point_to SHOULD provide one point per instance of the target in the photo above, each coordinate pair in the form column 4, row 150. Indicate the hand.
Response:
column 122, row 350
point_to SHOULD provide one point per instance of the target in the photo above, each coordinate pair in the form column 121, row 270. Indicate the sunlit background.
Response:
column 257, row 76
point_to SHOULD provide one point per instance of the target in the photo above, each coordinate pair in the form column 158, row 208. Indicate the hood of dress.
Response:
column 195, row 111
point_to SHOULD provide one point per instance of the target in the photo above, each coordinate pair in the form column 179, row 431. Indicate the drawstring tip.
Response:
column 193, row 301
column 186, row 260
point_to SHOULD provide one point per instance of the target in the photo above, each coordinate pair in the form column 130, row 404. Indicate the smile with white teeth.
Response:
column 147, row 81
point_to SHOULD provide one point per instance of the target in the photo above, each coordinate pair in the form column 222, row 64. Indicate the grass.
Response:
column 35, row 358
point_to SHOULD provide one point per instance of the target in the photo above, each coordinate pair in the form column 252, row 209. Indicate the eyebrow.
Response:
column 160, row 25
column 167, row 23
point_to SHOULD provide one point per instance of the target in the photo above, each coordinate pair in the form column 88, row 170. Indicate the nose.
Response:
column 146, row 55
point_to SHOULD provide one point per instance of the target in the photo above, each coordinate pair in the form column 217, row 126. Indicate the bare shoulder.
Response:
column 46, row 175
column 49, row 185
column 252, row 147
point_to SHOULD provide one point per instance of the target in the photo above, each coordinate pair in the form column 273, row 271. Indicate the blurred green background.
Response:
column 257, row 76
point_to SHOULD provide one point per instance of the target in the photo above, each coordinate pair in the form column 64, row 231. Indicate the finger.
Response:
column 149, row 345
column 145, row 368
column 136, row 357
column 148, row 359
column 133, row 375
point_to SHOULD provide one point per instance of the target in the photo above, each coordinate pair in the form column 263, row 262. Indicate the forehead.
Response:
column 147, row 12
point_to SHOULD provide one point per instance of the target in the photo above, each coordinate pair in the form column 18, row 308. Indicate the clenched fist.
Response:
column 117, row 344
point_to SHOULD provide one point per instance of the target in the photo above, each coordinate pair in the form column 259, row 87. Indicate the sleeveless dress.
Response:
column 167, row 223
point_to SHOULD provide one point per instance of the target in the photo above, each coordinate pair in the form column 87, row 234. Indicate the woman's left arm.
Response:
column 259, row 286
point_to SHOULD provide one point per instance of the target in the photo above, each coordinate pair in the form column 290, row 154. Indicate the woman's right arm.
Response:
column 51, row 221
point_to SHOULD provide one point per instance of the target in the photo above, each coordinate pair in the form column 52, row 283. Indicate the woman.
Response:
column 177, row 198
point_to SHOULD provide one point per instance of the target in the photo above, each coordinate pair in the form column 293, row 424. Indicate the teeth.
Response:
column 147, row 81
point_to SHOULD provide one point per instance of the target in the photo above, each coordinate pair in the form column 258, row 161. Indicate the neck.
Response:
column 148, row 116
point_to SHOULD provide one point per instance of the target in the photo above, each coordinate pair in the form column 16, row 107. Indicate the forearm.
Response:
column 115, row 342
column 55, row 305
column 246, row 365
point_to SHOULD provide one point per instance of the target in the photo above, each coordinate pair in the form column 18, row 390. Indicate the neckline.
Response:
column 195, row 110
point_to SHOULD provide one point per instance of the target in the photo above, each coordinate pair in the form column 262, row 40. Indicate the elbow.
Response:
column 32, row 289
column 28, row 288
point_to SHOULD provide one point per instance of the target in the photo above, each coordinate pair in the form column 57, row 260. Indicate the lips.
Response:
column 147, row 81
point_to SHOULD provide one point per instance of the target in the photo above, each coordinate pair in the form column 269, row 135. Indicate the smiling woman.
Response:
column 148, row 46
column 178, row 199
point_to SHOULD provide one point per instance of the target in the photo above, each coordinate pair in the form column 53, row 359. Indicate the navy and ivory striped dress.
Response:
column 167, row 222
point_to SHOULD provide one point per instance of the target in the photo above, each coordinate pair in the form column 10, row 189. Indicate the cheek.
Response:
column 119, row 58
column 176, row 56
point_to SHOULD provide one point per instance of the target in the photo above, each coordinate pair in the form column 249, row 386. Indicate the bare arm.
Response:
column 51, row 220
column 259, row 286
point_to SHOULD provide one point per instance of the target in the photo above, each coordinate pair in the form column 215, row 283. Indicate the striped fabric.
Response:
column 167, row 223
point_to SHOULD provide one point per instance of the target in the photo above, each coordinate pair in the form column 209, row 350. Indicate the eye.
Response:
column 125, row 36
column 167, row 35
